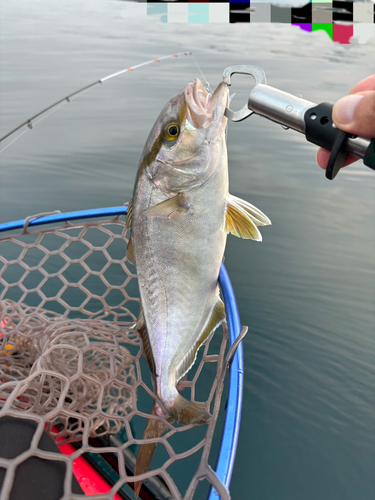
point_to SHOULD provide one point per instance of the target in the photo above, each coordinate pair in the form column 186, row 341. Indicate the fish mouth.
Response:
column 203, row 106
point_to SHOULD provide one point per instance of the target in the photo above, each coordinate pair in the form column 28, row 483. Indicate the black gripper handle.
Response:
column 319, row 127
column 320, row 130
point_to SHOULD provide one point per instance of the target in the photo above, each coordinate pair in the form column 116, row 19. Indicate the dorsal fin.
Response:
column 142, row 330
column 129, row 223
column 129, row 215
column 216, row 317
column 242, row 219
column 130, row 251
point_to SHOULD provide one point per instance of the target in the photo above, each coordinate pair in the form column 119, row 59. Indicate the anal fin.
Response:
column 216, row 317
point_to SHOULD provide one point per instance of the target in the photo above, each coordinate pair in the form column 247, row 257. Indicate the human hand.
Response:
column 354, row 114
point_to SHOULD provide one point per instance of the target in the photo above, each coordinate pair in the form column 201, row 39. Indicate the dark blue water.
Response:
column 306, row 292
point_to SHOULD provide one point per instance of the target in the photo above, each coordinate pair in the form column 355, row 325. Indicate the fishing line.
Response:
column 204, row 78
column 32, row 125
column 14, row 140
column 30, row 122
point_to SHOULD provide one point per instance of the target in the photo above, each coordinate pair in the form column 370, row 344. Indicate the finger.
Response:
column 323, row 155
column 362, row 87
column 355, row 114
column 366, row 84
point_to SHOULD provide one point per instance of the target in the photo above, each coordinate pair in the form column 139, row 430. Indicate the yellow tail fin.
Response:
column 185, row 412
column 154, row 429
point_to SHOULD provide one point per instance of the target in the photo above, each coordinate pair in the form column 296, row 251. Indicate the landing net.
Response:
column 71, row 360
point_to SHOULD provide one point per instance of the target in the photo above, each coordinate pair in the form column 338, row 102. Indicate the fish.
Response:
column 179, row 218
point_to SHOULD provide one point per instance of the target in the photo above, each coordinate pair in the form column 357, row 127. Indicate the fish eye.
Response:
column 171, row 131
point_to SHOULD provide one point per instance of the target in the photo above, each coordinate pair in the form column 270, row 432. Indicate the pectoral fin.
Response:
column 171, row 208
column 242, row 219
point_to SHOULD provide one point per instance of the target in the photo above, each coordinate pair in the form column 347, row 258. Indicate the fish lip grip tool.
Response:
column 312, row 120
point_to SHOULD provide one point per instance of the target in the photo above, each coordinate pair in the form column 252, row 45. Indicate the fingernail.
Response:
column 345, row 108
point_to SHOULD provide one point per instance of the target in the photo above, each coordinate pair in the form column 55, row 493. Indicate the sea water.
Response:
column 306, row 292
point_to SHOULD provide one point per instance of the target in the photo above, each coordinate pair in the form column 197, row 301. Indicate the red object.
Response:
column 89, row 479
column 342, row 33
column 2, row 324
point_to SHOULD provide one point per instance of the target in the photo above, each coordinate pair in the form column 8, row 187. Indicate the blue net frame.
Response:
column 229, row 441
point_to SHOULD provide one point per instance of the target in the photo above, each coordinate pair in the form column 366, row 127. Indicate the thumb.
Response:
column 355, row 114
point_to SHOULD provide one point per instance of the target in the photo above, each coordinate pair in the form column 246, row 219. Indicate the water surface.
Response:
column 306, row 292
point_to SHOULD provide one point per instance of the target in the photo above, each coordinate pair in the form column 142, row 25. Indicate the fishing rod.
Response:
column 66, row 99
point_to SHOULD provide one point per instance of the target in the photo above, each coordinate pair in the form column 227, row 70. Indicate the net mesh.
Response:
column 71, row 360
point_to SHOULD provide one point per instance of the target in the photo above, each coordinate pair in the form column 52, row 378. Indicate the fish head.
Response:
column 187, row 141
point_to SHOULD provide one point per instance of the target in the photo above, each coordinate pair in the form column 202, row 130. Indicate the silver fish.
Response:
column 180, row 215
